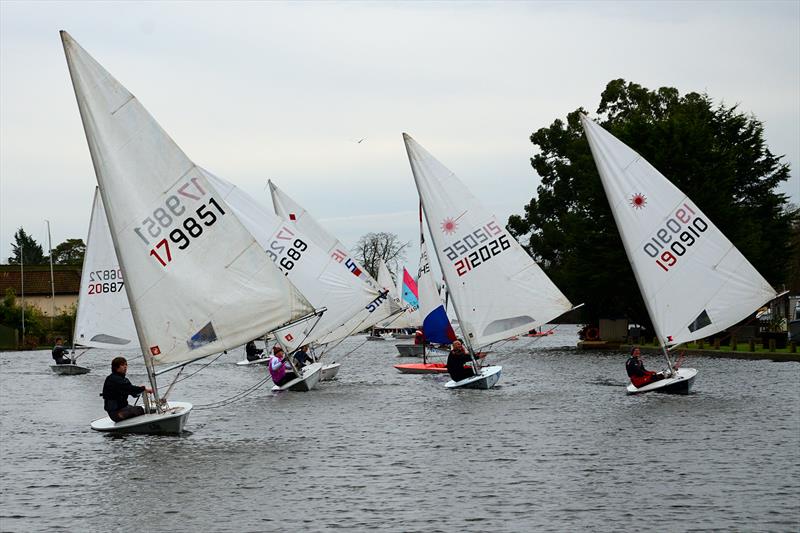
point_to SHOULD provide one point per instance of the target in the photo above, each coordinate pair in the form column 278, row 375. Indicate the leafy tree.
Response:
column 373, row 247
column 716, row 155
column 69, row 252
column 26, row 247
column 11, row 315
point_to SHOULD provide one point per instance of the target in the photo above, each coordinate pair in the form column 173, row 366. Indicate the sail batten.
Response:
column 694, row 281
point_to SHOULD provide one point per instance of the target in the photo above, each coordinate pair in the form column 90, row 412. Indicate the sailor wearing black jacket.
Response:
column 59, row 353
column 457, row 361
column 116, row 390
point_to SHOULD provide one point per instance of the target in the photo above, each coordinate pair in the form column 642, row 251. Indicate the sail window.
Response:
column 205, row 336
column 109, row 339
column 700, row 322
column 506, row 324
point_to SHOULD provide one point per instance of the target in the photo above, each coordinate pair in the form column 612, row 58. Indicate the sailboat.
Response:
column 376, row 304
column 496, row 289
column 436, row 324
column 316, row 273
column 103, row 319
column 693, row 280
column 400, row 320
column 197, row 281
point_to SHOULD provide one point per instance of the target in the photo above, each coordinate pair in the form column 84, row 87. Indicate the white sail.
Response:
column 378, row 308
column 197, row 280
column 386, row 283
column 104, row 317
column 315, row 273
column 497, row 290
column 693, row 280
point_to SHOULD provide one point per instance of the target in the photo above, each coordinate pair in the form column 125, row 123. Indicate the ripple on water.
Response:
column 559, row 447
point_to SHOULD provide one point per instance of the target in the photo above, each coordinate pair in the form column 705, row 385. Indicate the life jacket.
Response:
column 276, row 369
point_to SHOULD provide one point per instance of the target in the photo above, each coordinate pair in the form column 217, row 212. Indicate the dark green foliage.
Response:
column 716, row 155
column 26, row 247
column 69, row 252
column 37, row 325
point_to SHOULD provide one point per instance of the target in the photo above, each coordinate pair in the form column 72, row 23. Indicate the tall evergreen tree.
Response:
column 27, row 248
column 714, row 154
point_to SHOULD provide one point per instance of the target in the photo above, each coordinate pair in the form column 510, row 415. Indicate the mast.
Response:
column 148, row 362
column 52, row 282
column 628, row 252
column 22, row 286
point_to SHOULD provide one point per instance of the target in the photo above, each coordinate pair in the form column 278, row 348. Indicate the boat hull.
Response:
column 681, row 383
column 422, row 368
column 262, row 361
column 69, row 370
column 329, row 371
column 487, row 379
column 415, row 350
column 170, row 422
column 304, row 383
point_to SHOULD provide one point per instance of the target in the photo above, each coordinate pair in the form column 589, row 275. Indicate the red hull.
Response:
column 422, row 368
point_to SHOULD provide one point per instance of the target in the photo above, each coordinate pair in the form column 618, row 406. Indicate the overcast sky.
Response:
column 255, row 90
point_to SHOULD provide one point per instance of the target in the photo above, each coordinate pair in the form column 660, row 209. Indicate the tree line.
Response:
column 25, row 249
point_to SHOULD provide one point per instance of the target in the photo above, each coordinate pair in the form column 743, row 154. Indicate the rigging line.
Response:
column 198, row 370
column 494, row 345
column 236, row 397
column 348, row 353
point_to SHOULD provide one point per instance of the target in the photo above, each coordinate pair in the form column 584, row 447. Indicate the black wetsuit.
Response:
column 302, row 358
column 634, row 367
column 455, row 365
column 116, row 390
column 60, row 355
column 253, row 353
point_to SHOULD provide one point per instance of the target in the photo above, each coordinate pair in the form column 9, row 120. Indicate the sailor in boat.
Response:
column 253, row 353
column 301, row 357
column 60, row 353
column 636, row 371
column 419, row 337
column 116, row 390
column 279, row 368
column 459, row 362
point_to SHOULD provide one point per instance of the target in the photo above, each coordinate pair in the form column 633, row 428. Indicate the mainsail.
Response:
column 378, row 308
column 315, row 273
column 104, row 317
column 496, row 288
column 693, row 280
column 197, row 280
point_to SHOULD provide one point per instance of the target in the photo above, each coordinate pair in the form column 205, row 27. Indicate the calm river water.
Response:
column 558, row 446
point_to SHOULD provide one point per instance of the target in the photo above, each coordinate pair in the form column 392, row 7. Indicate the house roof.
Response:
column 66, row 279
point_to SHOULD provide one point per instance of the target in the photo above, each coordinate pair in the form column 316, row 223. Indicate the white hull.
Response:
column 329, row 371
column 262, row 361
column 415, row 350
column 487, row 379
column 304, row 383
column 680, row 383
column 69, row 370
column 168, row 423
